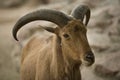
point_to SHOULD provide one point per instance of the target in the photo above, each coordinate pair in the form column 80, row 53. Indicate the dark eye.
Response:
column 66, row 35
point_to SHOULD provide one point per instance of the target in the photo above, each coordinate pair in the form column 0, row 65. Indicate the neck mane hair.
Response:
column 62, row 66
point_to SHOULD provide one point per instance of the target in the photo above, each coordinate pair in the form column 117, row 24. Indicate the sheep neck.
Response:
column 65, row 68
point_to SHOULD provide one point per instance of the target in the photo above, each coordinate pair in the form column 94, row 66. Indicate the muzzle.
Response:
column 89, row 58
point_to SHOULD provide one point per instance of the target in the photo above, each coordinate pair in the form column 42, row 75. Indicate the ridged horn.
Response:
column 54, row 16
column 80, row 12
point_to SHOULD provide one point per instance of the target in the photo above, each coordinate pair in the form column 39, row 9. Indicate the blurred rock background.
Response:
column 103, row 35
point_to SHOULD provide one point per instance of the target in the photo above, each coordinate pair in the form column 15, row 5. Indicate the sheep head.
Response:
column 71, row 31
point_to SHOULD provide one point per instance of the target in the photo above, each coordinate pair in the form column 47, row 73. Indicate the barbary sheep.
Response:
column 58, row 56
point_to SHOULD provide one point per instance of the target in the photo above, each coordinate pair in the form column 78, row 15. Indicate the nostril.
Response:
column 89, row 56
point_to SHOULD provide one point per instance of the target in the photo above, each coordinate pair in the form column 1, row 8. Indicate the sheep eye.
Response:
column 66, row 35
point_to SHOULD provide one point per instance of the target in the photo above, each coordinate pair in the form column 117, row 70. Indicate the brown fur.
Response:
column 55, row 57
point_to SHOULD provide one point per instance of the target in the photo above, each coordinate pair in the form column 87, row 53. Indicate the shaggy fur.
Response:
column 55, row 57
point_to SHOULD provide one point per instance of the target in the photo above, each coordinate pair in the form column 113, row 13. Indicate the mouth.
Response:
column 88, row 63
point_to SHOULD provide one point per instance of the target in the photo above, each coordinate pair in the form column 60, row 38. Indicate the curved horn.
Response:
column 54, row 16
column 80, row 11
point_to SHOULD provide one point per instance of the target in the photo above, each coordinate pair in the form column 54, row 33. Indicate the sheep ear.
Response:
column 49, row 29
column 52, row 30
